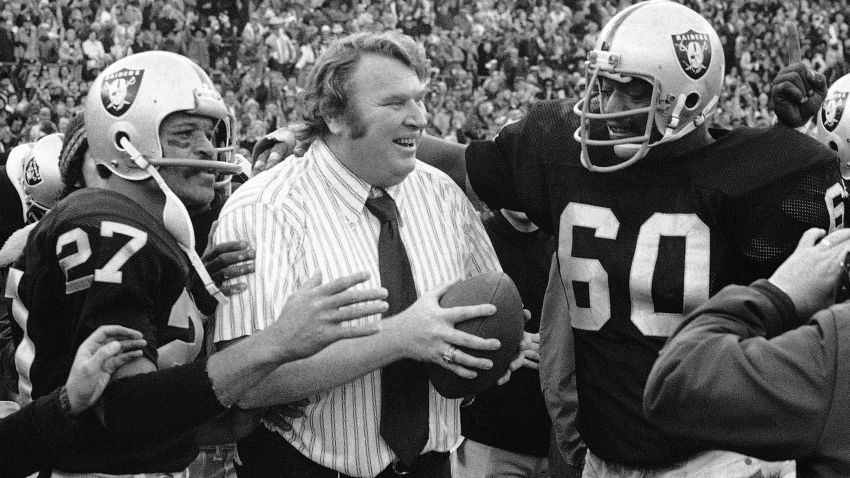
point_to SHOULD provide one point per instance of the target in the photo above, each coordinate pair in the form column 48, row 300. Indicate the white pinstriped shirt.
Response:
column 307, row 215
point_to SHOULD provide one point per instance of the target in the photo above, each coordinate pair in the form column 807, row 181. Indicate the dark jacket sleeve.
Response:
column 161, row 403
column 32, row 436
column 731, row 378
column 165, row 402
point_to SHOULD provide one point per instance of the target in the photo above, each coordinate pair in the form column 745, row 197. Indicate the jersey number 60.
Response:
column 605, row 225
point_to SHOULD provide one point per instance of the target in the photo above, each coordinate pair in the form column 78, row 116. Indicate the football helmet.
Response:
column 833, row 126
column 126, row 105
column 41, row 179
column 18, row 157
column 131, row 97
column 672, row 48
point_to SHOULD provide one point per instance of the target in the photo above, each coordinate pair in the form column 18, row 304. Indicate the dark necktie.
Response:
column 404, row 384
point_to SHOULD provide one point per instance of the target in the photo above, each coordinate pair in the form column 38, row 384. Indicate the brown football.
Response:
column 506, row 324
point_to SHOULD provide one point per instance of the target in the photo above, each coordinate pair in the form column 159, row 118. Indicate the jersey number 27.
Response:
column 110, row 272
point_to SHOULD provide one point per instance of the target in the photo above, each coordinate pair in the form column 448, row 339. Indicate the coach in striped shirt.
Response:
column 308, row 215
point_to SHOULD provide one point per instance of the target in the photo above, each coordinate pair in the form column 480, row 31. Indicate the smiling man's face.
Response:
column 616, row 97
column 385, row 117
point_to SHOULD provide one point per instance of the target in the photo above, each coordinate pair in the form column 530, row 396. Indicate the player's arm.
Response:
column 797, row 91
column 24, row 449
column 811, row 196
column 421, row 332
column 113, row 270
column 731, row 378
column 36, row 434
column 316, row 312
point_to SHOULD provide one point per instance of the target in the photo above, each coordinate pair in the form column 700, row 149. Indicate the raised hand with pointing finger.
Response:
column 798, row 91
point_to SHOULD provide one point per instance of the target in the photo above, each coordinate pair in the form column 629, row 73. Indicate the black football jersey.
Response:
column 99, row 258
column 640, row 248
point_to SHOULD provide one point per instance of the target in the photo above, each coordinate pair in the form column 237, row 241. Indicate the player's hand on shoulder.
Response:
column 317, row 315
column 106, row 350
column 228, row 260
column 275, row 147
column 428, row 332
column 797, row 91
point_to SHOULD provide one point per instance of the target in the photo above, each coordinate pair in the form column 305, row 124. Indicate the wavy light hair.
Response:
column 326, row 94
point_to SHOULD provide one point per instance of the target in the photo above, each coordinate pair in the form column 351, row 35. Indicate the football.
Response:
column 507, row 325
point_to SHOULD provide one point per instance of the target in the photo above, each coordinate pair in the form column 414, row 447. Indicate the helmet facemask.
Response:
column 602, row 64
column 223, row 162
column 675, row 51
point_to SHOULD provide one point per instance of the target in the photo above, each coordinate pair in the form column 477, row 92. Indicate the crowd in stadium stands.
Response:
column 490, row 59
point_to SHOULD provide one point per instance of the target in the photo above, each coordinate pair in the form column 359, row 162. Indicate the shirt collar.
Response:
column 350, row 190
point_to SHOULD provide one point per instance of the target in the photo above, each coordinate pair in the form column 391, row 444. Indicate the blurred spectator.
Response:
column 282, row 50
column 198, row 49
column 93, row 49
column 70, row 49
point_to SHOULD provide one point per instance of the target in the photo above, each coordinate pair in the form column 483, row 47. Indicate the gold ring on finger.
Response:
column 449, row 355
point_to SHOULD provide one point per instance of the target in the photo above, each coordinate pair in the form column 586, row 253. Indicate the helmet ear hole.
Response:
column 833, row 146
column 119, row 135
column 692, row 100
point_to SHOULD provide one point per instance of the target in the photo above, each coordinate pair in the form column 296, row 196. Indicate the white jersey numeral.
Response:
column 576, row 270
column 834, row 198
column 110, row 272
column 606, row 226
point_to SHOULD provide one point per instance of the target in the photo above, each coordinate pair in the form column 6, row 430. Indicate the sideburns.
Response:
column 354, row 121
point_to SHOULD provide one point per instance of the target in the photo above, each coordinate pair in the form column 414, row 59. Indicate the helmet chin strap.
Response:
column 176, row 219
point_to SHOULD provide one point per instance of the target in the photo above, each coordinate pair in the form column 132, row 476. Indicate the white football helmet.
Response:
column 18, row 157
column 42, row 182
column 132, row 96
column 126, row 105
column 834, row 125
column 672, row 48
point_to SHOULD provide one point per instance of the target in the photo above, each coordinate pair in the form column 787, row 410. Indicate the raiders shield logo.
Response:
column 694, row 52
column 32, row 175
column 119, row 90
column 833, row 108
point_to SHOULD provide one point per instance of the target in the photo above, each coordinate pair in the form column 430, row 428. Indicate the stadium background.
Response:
column 490, row 59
